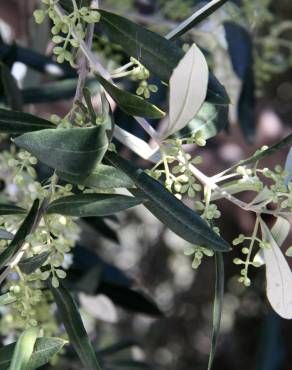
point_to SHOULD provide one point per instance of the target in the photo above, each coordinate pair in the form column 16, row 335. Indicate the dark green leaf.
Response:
column 132, row 104
column 56, row 91
column 75, row 151
column 23, row 349
column 168, row 209
column 19, row 238
column 29, row 265
column 44, row 350
column 260, row 154
column 156, row 53
column 13, row 122
column 218, row 303
column 210, row 120
column 86, row 205
column 75, row 329
column 5, row 235
column 103, row 177
column 195, row 19
column 11, row 209
column 11, row 90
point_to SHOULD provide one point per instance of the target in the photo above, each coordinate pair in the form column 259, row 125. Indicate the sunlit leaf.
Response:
column 278, row 275
column 23, row 349
column 188, row 88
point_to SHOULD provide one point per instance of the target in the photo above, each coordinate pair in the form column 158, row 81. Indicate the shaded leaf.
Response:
column 29, row 265
column 288, row 167
column 11, row 209
column 90, row 205
column 210, row 120
column 75, row 151
column 11, row 90
column 23, row 349
column 13, row 122
column 19, row 238
column 101, row 226
column 156, row 53
column 5, row 235
column 44, row 350
column 188, row 88
column 195, row 19
column 74, row 327
column 260, row 154
column 132, row 104
column 217, row 305
column 278, row 275
column 102, row 177
column 168, row 209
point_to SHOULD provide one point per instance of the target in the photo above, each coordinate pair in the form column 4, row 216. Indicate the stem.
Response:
column 253, row 239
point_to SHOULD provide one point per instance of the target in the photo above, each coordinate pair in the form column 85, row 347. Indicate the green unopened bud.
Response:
column 39, row 16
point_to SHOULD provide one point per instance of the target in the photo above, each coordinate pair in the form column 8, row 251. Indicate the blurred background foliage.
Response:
column 142, row 303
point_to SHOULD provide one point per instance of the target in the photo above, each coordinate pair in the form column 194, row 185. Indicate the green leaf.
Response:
column 19, row 238
column 103, row 177
column 11, row 209
column 167, row 208
column 11, row 90
column 75, row 329
column 156, row 53
column 29, row 265
column 5, row 235
column 55, row 91
column 195, row 19
column 132, row 104
column 44, row 350
column 90, row 205
column 7, row 298
column 217, row 305
column 75, row 151
column 260, row 154
column 211, row 119
column 23, row 349
column 13, row 122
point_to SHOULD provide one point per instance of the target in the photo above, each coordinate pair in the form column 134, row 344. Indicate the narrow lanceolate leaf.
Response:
column 103, row 177
column 278, row 275
column 75, row 151
column 23, row 349
column 11, row 209
column 19, row 238
column 43, row 352
column 13, row 122
column 12, row 93
column 168, row 209
column 260, row 154
column 29, row 265
column 91, row 205
column 156, row 53
column 217, row 305
column 5, row 235
column 195, row 19
column 75, row 329
column 209, row 121
column 188, row 88
column 288, row 167
column 132, row 104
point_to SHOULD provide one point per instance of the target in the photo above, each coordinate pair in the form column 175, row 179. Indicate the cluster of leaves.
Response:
column 38, row 226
